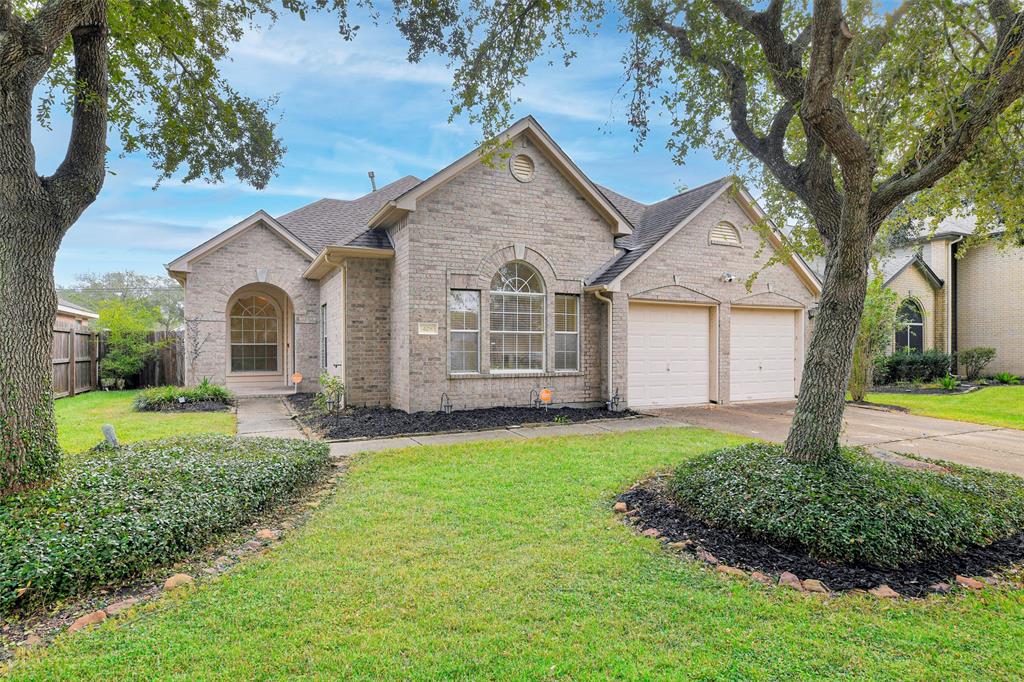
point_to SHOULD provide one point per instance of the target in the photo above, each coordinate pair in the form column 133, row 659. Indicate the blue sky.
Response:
column 347, row 108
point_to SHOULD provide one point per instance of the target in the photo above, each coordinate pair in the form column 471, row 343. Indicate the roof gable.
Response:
column 894, row 268
column 182, row 264
column 407, row 201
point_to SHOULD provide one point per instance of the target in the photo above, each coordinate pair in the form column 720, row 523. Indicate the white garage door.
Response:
column 668, row 355
column 763, row 352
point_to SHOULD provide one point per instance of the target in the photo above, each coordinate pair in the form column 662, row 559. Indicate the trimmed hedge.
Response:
column 169, row 397
column 909, row 365
column 853, row 508
column 111, row 515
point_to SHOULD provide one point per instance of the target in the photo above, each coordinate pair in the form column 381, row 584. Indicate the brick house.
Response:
column 954, row 297
column 493, row 279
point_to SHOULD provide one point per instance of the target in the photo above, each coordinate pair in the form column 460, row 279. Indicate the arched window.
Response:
column 254, row 334
column 517, row 319
column 725, row 234
column 910, row 332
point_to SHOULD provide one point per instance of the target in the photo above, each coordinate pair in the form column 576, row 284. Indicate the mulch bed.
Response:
column 382, row 422
column 651, row 507
column 920, row 390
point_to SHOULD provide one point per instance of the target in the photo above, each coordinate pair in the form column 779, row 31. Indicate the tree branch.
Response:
column 948, row 144
column 80, row 176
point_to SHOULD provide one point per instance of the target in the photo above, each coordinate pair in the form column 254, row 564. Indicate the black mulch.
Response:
column 201, row 406
column 656, row 509
column 380, row 422
column 921, row 390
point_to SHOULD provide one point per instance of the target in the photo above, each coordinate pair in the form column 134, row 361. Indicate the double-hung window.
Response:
column 567, row 332
column 517, row 319
column 463, row 331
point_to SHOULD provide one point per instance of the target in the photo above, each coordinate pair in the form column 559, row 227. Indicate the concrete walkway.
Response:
column 971, row 444
column 584, row 429
column 266, row 416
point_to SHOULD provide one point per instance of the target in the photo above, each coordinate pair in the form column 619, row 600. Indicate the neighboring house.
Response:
column 955, row 298
column 71, row 314
column 489, row 281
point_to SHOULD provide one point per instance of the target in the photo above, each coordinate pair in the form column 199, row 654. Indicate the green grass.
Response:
column 79, row 420
column 502, row 560
column 994, row 405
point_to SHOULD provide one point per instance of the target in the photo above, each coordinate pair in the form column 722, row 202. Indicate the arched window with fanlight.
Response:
column 517, row 319
column 910, row 332
column 254, row 334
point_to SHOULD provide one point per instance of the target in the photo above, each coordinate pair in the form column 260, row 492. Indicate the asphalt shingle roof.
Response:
column 337, row 222
column 651, row 223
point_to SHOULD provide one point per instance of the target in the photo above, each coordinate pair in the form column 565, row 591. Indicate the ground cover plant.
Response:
column 79, row 420
column 993, row 405
column 204, row 395
column 109, row 516
column 503, row 560
column 379, row 422
column 852, row 508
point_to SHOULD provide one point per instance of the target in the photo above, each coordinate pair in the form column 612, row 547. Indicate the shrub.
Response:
column 909, row 365
column 332, row 393
column 112, row 515
column 164, row 397
column 874, row 334
column 1007, row 378
column 852, row 508
column 974, row 360
column 949, row 382
column 126, row 324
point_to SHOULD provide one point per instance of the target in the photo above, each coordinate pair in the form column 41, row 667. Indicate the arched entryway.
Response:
column 260, row 333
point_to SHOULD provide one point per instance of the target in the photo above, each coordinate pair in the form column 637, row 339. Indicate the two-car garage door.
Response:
column 671, row 354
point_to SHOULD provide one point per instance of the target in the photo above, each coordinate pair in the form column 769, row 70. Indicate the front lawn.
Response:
column 79, row 420
column 503, row 560
column 994, row 405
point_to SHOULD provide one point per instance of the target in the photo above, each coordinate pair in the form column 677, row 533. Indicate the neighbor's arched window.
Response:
column 517, row 319
column 910, row 333
column 254, row 334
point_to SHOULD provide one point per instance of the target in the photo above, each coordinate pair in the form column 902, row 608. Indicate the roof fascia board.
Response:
column 668, row 235
column 323, row 264
column 406, row 202
column 183, row 263
column 78, row 312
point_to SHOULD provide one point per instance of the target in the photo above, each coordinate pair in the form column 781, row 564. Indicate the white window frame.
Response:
column 452, row 330
column 280, row 339
column 542, row 295
column 576, row 299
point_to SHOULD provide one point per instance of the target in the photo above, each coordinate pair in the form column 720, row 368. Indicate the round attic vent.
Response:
column 521, row 166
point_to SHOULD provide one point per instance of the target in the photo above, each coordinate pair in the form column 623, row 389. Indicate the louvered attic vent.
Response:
column 521, row 166
column 725, row 233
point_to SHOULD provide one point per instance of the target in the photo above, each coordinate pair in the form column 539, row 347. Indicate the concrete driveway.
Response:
column 972, row 444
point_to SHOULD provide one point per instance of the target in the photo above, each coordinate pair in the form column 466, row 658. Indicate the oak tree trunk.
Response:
column 29, row 240
column 818, row 421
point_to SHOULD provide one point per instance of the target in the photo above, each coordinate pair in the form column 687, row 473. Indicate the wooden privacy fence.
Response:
column 75, row 359
column 77, row 352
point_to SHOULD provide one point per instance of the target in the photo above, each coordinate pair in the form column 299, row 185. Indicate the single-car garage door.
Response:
column 669, row 355
column 762, row 358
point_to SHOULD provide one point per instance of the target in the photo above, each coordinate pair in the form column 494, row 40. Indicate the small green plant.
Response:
column 974, row 360
column 331, row 397
column 1007, row 378
column 949, row 383
column 166, row 397
column 562, row 419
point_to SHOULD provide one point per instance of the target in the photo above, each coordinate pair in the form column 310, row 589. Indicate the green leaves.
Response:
column 111, row 516
column 851, row 508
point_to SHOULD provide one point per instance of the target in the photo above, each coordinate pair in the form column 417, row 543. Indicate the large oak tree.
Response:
column 848, row 118
column 147, row 71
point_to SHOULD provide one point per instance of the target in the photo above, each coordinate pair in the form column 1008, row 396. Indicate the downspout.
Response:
column 344, row 316
column 950, row 295
column 601, row 297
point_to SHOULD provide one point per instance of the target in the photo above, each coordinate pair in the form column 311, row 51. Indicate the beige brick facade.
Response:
column 690, row 269
column 990, row 304
column 257, row 260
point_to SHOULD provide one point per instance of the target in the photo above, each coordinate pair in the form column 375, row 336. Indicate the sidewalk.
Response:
column 266, row 417
column 349, row 448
